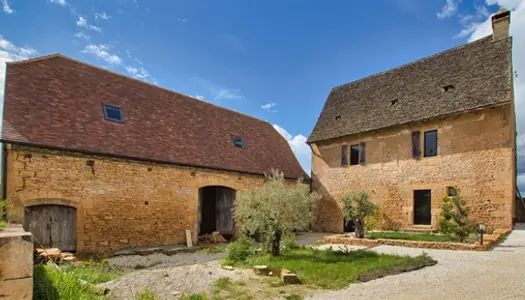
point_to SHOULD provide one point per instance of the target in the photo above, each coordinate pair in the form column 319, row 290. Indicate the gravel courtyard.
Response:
column 496, row 274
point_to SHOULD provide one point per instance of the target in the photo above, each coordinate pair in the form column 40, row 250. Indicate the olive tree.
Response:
column 356, row 208
column 274, row 210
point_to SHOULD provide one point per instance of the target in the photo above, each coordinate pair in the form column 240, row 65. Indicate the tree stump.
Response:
column 288, row 277
column 261, row 270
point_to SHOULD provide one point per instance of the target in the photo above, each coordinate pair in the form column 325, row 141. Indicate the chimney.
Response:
column 500, row 24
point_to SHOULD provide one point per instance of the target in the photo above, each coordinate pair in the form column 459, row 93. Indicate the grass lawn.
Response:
column 331, row 269
column 411, row 236
column 50, row 283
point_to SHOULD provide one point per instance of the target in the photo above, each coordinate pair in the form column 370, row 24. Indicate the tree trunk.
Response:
column 276, row 243
column 359, row 230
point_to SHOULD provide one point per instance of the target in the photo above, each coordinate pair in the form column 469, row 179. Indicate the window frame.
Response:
column 234, row 140
column 344, row 155
column 358, row 147
column 425, row 153
column 110, row 106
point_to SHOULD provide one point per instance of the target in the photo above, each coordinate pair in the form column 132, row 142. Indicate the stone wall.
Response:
column 120, row 203
column 16, row 264
column 475, row 153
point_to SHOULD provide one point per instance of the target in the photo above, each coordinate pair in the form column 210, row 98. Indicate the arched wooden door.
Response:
column 54, row 226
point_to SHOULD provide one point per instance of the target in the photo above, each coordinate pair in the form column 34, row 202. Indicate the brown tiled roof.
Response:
column 480, row 72
column 55, row 101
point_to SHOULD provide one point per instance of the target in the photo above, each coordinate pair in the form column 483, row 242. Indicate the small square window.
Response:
column 113, row 113
column 452, row 191
column 239, row 142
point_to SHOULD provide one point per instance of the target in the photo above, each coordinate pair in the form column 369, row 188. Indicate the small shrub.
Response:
column 195, row 296
column 223, row 283
column 454, row 220
column 146, row 294
column 3, row 212
column 370, row 223
column 240, row 251
column 290, row 242
column 293, row 297
column 395, row 227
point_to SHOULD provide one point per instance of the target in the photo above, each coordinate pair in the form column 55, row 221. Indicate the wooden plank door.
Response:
column 53, row 226
column 224, row 210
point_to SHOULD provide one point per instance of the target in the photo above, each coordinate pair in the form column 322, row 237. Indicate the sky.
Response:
column 276, row 60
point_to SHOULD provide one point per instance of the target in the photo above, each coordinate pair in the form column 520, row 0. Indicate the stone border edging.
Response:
column 489, row 241
column 395, row 270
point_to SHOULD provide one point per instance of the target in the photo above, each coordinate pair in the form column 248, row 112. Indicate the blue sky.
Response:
column 276, row 60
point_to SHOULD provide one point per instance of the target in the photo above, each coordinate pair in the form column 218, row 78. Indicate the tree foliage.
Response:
column 454, row 220
column 274, row 210
column 356, row 208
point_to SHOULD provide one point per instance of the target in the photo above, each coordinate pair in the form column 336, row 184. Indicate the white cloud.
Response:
column 6, row 8
column 229, row 94
column 82, row 35
column 182, row 20
column 269, row 107
column 101, row 51
column 299, row 147
column 449, row 9
column 59, row 2
column 102, row 15
column 82, row 22
column 140, row 73
column 11, row 52
column 199, row 97
column 131, row 70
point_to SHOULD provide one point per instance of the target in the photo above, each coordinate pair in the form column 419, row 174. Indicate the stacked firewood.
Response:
column 214, row 237
column 53, row 254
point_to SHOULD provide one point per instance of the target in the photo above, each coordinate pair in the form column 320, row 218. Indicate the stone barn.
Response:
column 94, row 161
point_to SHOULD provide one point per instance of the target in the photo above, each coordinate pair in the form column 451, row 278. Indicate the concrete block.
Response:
column 18, row 289
column 16, row 254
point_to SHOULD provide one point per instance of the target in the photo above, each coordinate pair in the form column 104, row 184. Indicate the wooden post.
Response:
column 188, row 238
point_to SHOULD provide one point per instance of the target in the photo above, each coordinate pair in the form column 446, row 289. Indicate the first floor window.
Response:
column 430, row 143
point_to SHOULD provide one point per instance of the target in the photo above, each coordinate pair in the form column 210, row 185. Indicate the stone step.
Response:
column 519, row 226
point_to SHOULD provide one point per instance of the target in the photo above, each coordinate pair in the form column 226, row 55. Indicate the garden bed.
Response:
column 416, row 240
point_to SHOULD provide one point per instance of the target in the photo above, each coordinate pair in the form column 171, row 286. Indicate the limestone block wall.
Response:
column 120, row 203
column 475, row 152
column 16, row 264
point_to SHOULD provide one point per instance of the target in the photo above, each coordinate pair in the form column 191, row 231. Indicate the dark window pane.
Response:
column 354, row 155
column 239, row 142
column 362, row 153
column 113, row 113
column 451, row 191
column 431, row 143
column 344, row 155
column 416, row 144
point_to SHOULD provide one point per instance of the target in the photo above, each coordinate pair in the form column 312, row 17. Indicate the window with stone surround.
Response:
column 344, row 155
column 430, row 143
column 354, row 155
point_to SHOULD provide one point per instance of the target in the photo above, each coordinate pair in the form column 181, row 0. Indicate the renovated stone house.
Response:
column 410, row 135
column 94, row 161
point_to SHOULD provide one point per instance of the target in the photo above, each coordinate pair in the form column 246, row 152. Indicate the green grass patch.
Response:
column 220, row 248
column 331, row 269
column 146, row 294
column 50, row 283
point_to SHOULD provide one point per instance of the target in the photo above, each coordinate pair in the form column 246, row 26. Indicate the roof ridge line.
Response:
column 57, row 54
column 412, row 62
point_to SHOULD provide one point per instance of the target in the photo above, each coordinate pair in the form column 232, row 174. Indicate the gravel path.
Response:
column 497, row 274
column 169, row 283
column 159, row 260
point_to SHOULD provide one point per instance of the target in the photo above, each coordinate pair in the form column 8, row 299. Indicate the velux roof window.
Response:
column 239, row 142
column 113, row 113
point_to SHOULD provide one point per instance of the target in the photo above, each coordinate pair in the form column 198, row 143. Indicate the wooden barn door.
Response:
column 53, row 226
column 224, row 209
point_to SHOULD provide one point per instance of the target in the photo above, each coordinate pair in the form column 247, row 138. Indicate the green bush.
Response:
column 454, row 220
column 240, row 251
column 3, row 211
column 357, row 208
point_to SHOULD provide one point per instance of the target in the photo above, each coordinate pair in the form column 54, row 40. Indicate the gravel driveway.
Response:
column 496, row 274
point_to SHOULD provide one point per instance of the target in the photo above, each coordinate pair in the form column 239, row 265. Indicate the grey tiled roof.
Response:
column 480, row 73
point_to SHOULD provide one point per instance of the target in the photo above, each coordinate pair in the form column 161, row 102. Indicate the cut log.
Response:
column 288, row 277
column 228, row 268
column 261, row 270
column 217, row 237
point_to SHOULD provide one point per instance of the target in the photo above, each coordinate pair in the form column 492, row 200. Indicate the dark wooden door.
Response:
column 224, row 210
column 422, row 207
column 53, row 226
